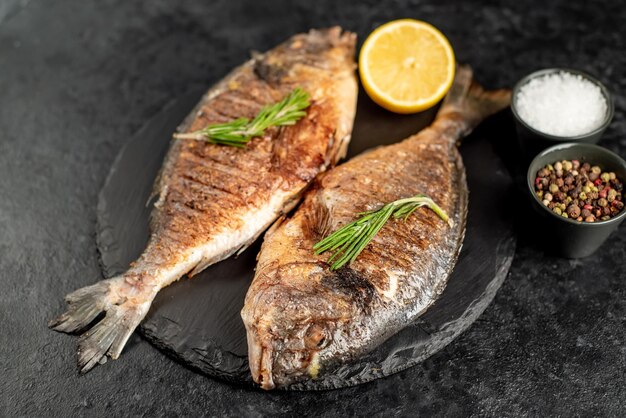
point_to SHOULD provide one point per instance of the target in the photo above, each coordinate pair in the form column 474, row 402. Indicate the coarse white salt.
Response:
column 561, row 104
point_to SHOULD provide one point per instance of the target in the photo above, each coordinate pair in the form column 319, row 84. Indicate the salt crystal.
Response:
column 561, row 104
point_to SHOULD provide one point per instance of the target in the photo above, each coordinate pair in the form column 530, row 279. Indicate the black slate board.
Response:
column 197, row 320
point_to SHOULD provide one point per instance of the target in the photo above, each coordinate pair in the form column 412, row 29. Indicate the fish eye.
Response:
column 316, row 337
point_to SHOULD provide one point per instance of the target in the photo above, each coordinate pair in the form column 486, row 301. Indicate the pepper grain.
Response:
column 579, row 191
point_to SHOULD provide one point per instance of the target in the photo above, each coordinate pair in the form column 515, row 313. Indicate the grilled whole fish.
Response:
column 301, row 317
column 215, row 200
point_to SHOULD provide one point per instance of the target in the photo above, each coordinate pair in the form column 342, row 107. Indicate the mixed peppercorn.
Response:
column 579, row 191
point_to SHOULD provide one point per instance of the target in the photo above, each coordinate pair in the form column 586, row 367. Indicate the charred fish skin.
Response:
column 215, row 200
column 304, row 319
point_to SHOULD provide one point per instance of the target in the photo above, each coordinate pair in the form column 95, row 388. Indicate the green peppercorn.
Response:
column 553, row 188
column 582, row 196
column 596, row 169
column 606, row 177
column 557, row 210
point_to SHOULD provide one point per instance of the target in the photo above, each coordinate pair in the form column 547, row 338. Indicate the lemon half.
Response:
column 406, row 65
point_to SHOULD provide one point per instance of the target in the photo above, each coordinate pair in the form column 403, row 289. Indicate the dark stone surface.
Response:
column 198, row 321
column 78, row 78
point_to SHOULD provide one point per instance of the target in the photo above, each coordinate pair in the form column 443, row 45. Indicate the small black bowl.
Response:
column 532, row 141
column 567, row 237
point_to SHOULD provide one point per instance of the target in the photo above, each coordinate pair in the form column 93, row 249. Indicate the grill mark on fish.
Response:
column 200, row 191
column 229, row 170
column 211, row 161
column 256, row 153
column 223, row 179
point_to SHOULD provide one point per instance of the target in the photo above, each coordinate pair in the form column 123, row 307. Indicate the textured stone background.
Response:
column 78, row 78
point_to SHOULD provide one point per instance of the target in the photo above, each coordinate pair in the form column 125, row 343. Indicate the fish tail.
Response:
column 469, row 103
column 105, row 315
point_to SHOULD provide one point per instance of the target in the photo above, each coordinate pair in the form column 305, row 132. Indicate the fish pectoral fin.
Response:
column 204, row 263
column 320, row 220
column 108, row 336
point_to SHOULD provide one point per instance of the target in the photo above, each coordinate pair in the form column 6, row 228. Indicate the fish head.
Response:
column 302, row 326
column 320, row 52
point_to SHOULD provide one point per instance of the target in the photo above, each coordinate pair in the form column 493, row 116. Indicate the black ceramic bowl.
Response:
column 567, row 237
column 532, row 141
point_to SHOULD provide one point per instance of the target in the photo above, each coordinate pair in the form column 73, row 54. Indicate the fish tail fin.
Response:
column 104, row 317
column 470, row 101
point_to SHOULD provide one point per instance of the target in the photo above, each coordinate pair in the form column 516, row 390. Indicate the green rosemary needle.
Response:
column 347, row 242
column 239, row 132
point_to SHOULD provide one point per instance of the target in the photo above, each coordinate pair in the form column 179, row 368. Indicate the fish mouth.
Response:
column 260, row 359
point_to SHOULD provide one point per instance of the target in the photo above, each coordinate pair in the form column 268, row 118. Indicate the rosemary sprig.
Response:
column 347, row 242
column 239, row 132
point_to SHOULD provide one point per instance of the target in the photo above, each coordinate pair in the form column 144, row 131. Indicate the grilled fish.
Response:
column 215, row 200
column 301, row 317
